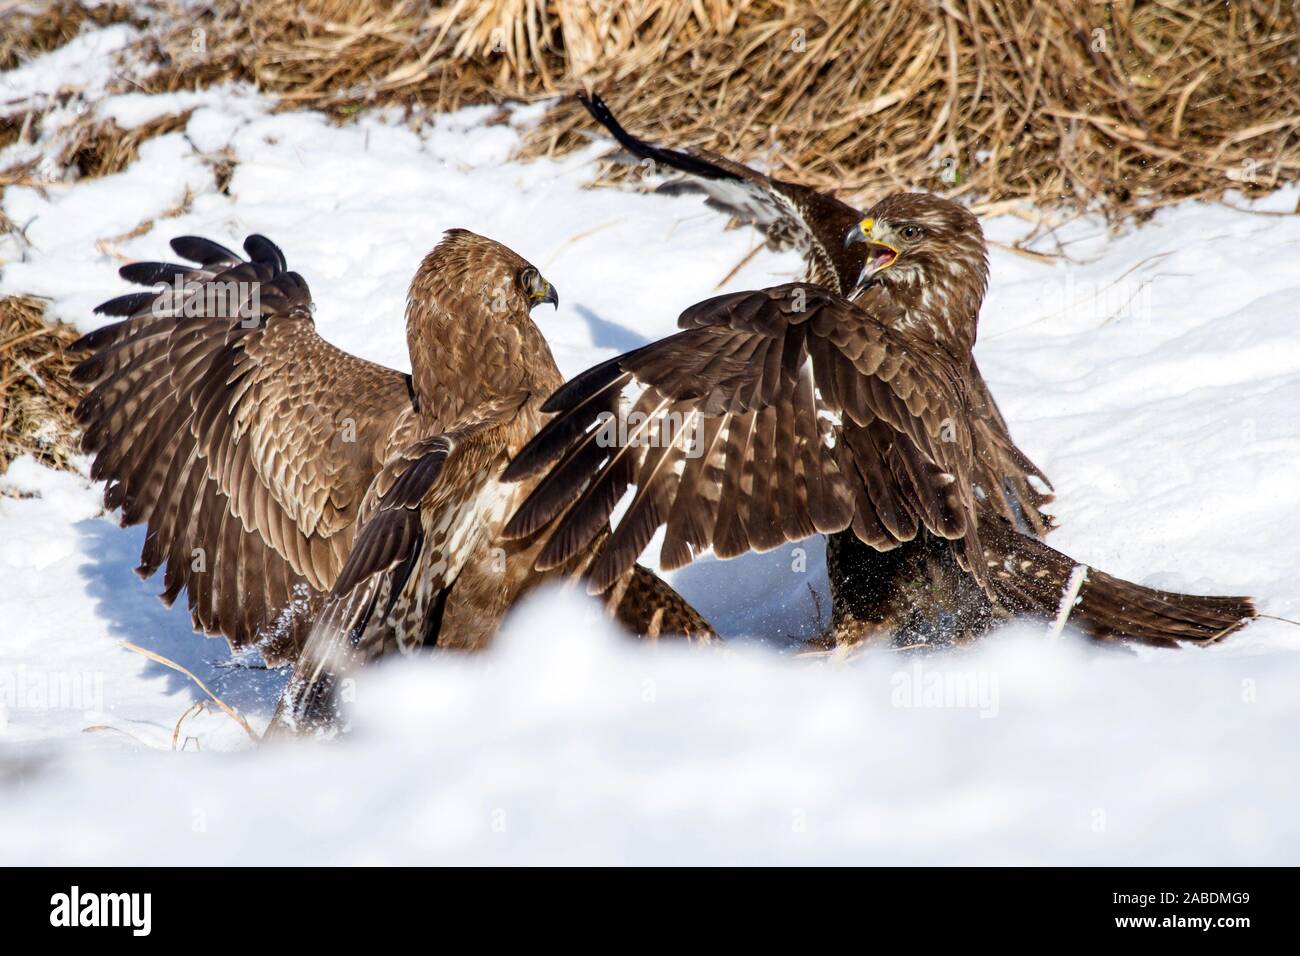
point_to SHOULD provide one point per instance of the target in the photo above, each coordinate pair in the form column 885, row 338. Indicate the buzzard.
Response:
column 794, row 410
column 915, row 590
column 319, row 506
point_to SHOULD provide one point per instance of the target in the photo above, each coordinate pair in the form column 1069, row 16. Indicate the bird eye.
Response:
column 911, row 232
column 530, row 279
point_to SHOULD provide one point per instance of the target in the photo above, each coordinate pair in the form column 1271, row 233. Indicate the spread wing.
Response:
column 814, row 223
column 422, row 519
column 243, row 440
column 774, row 415
column 788, row 215
column 1002, row 470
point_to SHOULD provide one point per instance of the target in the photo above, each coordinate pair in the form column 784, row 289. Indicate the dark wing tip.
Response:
column 544, row 448
column 602, row 114
column 672, row 158
column 586, row 384
column 203, row 251
column 519, row 525
column 598, row 109
column 262, row 249
column 151, row 273
column 515, row 471
column 85, row 344
column 613, row 562
column 124, row 305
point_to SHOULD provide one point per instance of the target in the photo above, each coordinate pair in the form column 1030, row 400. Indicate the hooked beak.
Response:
column 879, row 255
column 548, row 294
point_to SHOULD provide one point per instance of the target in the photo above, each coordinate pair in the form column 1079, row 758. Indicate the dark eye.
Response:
column 911, row 232
column 530, row 280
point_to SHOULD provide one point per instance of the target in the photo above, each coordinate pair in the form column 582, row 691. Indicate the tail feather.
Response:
column 648, row 606
column 1027, row 576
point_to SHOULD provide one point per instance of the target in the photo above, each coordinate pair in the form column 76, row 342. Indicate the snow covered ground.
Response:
column 1155, row 376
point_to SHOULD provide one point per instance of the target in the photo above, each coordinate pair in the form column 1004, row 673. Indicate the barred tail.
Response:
column 1027, row 576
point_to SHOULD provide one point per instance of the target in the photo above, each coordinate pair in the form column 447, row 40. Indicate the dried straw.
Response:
column 31, row 29
column 36, row 396
column 101, row 148
column 1119, row 107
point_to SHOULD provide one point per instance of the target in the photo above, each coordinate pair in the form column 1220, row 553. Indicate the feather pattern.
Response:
column 864, row 419
column 301, row 496
column 758, row 368
column 815, row 224
column 178, row 393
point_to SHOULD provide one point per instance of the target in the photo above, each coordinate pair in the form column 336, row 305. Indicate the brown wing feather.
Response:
column 241, row 439
column 788, row 215
column 1002, row 470
column 793, row 216
column 767, row 369
column 419, row 524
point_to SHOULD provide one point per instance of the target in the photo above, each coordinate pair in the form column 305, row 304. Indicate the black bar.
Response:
column 318, row 905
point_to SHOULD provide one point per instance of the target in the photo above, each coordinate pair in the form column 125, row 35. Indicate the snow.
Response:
column 1153, row 375
column 86, row 63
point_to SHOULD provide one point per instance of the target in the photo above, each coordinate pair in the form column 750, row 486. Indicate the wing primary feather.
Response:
column 203, row 251
column 557, row 435
column 672, row 158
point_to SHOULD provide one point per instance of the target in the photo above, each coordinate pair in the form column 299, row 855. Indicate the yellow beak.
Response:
column 879, row 255
column 862, row 232
column 547, row 293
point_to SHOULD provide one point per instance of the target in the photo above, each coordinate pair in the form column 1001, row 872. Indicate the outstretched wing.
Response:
column 1002, row 470
column 243, row 440
column 788, row 215
column 423, row 517
column 775, row 415
column 814, row 223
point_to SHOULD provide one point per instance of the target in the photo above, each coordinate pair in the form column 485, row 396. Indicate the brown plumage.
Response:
column 792, row 410
column 319, row 506
column 915, row 590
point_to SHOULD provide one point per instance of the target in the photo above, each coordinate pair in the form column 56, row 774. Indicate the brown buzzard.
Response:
column 321, row 507
column 791, row 411
column 914, row 590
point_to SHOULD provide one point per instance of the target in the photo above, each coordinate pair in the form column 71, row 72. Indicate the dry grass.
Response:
column 102, row 148
column 229, row 711
column 1112, row 106
column 36, row 397
column 32, row 28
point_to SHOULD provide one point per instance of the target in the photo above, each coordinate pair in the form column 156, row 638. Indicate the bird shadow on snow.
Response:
column 610, row 335
column 766, row 599
column 134, row 613
column 763, row 599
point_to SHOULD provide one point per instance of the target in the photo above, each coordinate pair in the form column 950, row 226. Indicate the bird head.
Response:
column 468, row 317
column 922, row 240
column 536, row 289
column 476, row 279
